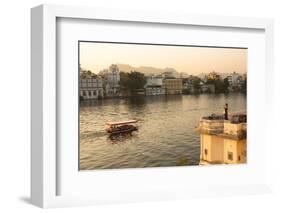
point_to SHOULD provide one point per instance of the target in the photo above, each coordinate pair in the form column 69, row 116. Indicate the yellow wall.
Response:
column 173, row 86
column 218, row 149
column 230, row 147
column 206, row 145
column 237, row 148
column 234, row 129
column 214, row 146
column 242, row 151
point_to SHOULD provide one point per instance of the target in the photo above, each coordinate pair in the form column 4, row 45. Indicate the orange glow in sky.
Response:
column 191, row 60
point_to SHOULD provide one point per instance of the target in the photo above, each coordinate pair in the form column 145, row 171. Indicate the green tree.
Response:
column 244, row 86
column 136, row 80
column 186, row 91
column 196, row 83
column 124, row 80
column 225, row 85
column 132, row 81
column 218, row 84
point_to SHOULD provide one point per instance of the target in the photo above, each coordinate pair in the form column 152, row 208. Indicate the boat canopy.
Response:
column 121, row 122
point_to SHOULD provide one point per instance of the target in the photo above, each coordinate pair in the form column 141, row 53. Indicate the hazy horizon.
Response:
column 187, row 59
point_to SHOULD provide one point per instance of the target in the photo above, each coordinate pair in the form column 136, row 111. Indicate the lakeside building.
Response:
column 233, row 79
column 154, row 85
column 154, row 90
column 188, row 86
column 111, row 80
column 244, row 77
column 91, row 87
column 168, row 74
column 173, row 86
column 223, row 141
column 138, row 92
column 208, row 88
column 236, row 81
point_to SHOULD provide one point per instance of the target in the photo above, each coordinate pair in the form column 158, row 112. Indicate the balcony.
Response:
column 212, row 124
column 234, row 128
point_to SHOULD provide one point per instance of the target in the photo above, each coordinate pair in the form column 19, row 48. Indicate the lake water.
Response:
column 165, row 135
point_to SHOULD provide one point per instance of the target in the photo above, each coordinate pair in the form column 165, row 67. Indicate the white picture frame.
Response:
column 45, row 166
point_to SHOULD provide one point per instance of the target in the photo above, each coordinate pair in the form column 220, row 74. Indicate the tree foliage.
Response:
column 196, row 82
column 225, row 85
column 132, row 81
column 221, row 86
column 124, row 80
column 244, row 86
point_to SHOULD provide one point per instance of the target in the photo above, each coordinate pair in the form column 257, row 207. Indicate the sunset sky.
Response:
column 191, row 60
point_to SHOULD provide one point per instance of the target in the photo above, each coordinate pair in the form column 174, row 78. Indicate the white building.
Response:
column 153, row 80
column 154, row 85
column 112, row 78
column 113, row 75
column 233, row 79
column 91, row 88
column 188, row 86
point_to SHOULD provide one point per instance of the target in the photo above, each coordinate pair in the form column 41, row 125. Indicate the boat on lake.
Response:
column 121, row 127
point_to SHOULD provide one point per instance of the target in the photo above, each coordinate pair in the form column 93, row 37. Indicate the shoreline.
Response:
column 164, row 95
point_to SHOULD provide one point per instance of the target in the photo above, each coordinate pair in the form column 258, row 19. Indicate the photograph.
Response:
column 144, row 105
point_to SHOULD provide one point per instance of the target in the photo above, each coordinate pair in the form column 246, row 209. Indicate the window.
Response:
column 230, row 156
column 84, row 93
column 206, row 151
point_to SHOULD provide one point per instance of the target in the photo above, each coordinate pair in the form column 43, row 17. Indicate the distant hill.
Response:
column 147, row 70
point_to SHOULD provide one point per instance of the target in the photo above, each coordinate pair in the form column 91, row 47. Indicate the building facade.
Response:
column 233, row 79
column 223, row 141
column 91, row 88
column 208, row 88
column 154, row 90
column 173, row 86
column 111, row 78
column 188, row 87
column 154, row 86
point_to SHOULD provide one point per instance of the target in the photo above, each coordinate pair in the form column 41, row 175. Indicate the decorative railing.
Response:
column 215, row 124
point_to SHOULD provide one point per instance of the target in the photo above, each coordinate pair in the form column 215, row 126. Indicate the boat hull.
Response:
column 122, row 131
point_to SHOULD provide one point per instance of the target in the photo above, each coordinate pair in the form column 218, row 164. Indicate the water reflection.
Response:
column 165, row 136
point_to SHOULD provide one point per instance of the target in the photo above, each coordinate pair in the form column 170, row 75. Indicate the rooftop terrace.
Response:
column 215, row 124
